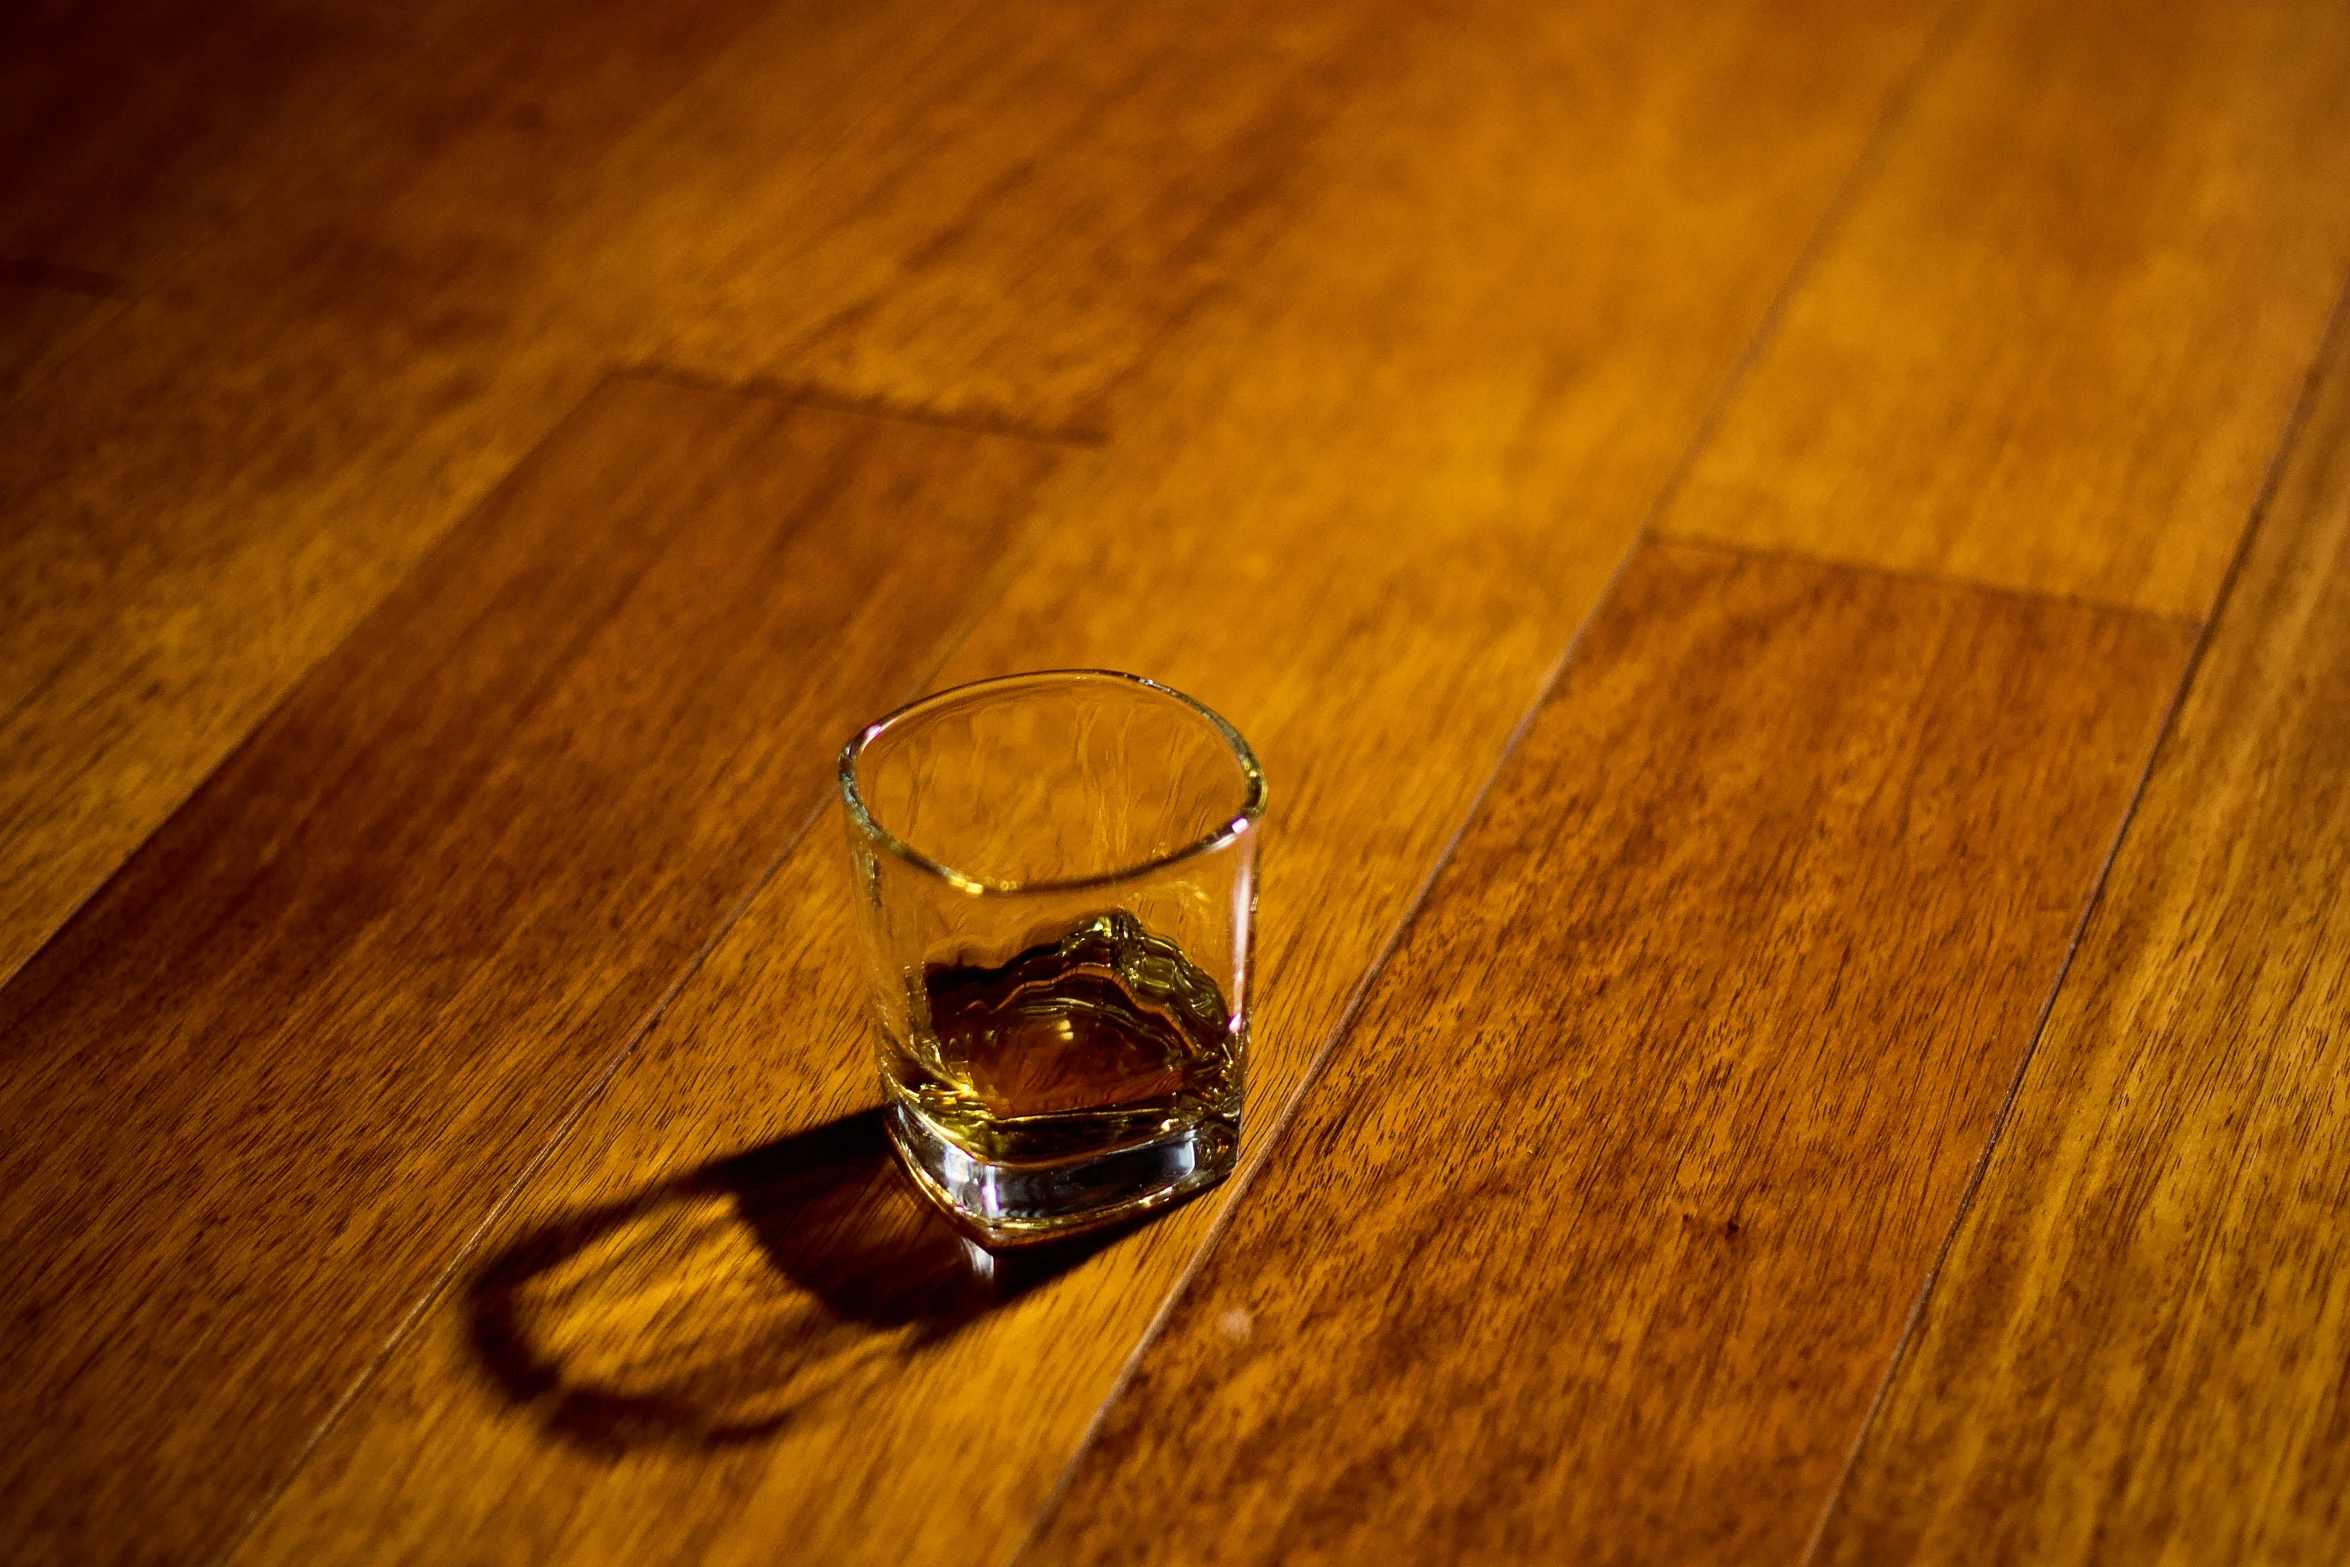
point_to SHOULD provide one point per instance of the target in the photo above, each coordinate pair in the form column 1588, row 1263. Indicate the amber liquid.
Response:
column 1100, row 1041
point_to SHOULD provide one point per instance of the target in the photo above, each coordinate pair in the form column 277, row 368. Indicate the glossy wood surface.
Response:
column 2054, row 345
column 298, row 1049
column 2134, row 1352
column 1724, row 987
column 288, row 409
column 1287, row 552
column 461, row 467
column 438, row 247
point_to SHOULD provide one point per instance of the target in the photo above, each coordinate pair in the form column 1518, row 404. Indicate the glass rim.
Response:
column 1240, row 823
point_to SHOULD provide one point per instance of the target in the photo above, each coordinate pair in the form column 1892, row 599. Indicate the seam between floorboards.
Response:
column 174, row 264
column 764, row 392
column 360, row 620
column 1244, row 1179
column 2288, row 441
column 1046, row 519
column 1932, row 579
column 432, row 1294
column 1857, row 178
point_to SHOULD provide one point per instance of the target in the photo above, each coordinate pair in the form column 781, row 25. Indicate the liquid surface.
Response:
column 1101, row 1040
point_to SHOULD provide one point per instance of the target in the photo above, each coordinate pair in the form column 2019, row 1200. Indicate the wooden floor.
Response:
column 1789, row 565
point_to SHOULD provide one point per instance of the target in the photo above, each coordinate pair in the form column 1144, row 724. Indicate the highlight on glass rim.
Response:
column 1056, row 878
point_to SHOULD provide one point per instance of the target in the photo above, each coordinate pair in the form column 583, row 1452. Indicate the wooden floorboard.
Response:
column 1004, row 223
column 292, row 1056
column 220, row 481
column 1594, row 1240
column 1358, row 502
column 2053, row 343
column 1324, row 362
column 988, row 211
column 2134, row 1352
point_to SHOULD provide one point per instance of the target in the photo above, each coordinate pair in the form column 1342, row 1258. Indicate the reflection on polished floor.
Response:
column 1788, row 563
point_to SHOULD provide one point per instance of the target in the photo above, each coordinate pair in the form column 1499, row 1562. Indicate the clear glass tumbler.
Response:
column 1055, row 878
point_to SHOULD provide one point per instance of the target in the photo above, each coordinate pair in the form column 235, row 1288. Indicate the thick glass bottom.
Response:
column 1002, row 1204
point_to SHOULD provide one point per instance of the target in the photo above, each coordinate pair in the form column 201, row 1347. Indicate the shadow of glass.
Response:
column 718, row 1306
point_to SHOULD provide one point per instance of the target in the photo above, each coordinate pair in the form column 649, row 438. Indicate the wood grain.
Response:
column 1358, row 504
column 214, row 487
column 1004, row 224
column 40, row 320
column 1593, row 1241
column 2134, row 1352
column 295, row 1052
column 992, row 210
column 130, row 131
column 2053, row 343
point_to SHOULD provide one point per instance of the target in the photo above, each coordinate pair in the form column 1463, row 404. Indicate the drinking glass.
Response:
column 1055, row 878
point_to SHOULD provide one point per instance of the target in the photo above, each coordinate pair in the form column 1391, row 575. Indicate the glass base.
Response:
column 1000, row 1204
